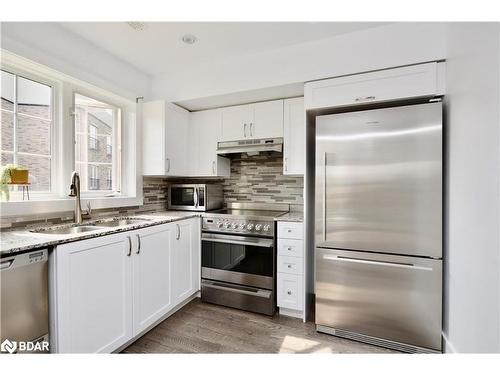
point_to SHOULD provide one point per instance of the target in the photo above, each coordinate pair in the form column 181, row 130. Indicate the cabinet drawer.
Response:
column 383, row 85
column 290, row 291
column 292, row 265
column 290, row 230
column 291, row 248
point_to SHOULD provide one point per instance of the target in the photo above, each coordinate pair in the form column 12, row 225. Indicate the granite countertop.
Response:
column 14, row 241
column 295, row 216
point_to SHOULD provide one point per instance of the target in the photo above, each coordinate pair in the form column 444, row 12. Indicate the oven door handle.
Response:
column 259, row 243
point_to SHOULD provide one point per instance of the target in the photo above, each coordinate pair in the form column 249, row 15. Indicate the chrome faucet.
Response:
column 74, row 191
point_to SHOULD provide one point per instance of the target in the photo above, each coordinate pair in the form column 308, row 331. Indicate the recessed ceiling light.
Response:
column 137, row 26
column 189, row 39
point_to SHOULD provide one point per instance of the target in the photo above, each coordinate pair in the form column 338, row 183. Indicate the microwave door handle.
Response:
column 195, row 197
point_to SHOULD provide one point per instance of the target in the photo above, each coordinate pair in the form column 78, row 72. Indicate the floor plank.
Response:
column 205, row 328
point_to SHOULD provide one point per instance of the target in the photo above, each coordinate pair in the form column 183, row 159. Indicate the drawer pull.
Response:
column 289, row 266
column 289, row 292
column 289, row 230
column 289, row 248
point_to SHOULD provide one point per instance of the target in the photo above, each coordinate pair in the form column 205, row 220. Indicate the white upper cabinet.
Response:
column 294, row 136
column 268, row 120
column 236, row 122
column 165, row 128
column 205, row 131
column 413, row 81
column 253, row 121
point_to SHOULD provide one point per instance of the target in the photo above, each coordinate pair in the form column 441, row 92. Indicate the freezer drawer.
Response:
column 395, row 298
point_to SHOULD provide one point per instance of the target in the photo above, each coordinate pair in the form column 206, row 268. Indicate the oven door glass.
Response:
column 245, row 255
column 182, row 196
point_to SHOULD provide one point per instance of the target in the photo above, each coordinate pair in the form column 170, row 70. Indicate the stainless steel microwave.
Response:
column 195, row 197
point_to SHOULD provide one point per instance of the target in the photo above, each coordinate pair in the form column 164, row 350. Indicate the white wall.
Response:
column 374, row 48
column 49, row 44
column 472, row 285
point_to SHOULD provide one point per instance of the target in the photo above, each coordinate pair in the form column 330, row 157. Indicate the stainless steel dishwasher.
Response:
column 24, row 300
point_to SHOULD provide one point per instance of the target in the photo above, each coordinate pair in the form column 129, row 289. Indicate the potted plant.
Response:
column 11, row 174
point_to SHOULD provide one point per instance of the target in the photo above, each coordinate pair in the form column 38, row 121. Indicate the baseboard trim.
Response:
column 292, row 313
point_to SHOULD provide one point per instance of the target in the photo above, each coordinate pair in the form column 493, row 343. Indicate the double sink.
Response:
column 91, row 226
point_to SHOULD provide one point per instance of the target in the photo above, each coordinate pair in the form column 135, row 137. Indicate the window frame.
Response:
column 116, row 154
column 55, row 108
column 62, row 144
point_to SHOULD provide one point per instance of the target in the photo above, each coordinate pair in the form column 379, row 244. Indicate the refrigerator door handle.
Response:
column 324, row 196
column 375, row 262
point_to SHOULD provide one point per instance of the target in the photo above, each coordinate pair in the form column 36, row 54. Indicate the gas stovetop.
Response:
column 255, row 219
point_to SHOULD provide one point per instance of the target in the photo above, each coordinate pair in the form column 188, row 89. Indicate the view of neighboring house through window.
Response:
column 97, row 124
column 26, row 129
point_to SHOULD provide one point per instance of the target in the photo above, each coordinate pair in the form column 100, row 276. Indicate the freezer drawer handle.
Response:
column 6, row 264
column 365, row 261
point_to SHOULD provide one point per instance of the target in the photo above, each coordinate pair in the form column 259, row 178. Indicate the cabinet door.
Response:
column 268, row 120
column 152, row 275
column 399, row 83
column 176, row 133
column 294, row 136
column 185, row 259
column 153, row 138
column 236, row 122
column 93, row 295
column 206, row 131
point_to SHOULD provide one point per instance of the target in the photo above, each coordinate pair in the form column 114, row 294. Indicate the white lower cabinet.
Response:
column 107, row 290
column 291, row 269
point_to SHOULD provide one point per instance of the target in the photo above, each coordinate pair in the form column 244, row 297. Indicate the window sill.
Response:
column 49, row 206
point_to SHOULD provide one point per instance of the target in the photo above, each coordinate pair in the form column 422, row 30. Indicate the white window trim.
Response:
column 63, row 143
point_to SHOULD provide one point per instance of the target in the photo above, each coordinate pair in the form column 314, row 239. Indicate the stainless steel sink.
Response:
column 120, row 222
column 68, row 230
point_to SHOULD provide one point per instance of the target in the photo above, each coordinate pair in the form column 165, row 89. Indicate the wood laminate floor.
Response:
column 204, row 328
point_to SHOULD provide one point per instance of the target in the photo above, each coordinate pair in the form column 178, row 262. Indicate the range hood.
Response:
column 250, row 146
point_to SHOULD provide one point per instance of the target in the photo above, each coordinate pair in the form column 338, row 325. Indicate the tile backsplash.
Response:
column 257, row 179
column 260, row 179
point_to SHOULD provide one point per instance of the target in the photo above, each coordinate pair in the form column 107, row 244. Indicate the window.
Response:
column 101, row 143
column 97, row 123
column 26, row 129
column 92, row 137
column 109, row 179
column 109, row 148
column 93, row 178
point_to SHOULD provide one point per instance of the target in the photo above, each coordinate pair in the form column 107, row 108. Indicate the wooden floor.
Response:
column 204, row 328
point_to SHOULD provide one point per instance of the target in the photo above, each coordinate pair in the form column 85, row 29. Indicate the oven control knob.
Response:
column 226, row 225
column 267, row 227
column 258, row 227
column 234, row 225
column 242, row 226
column 250, row 226
column 219, row 224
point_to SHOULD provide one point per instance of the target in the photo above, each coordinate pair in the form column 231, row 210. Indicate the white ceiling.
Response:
column 159, row 48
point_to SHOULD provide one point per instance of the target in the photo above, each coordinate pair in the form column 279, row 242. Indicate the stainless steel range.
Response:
column 239, row 258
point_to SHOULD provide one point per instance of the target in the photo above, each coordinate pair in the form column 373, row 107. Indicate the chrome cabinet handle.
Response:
column 129, row 246
column 213, row 167
column 364, row 98
column 245, row 130
column 251, row 129
column 138, row 244
column 168, row 165
column 178, row 232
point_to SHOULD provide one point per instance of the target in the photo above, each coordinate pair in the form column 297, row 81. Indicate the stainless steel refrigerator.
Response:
column 378, row 227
